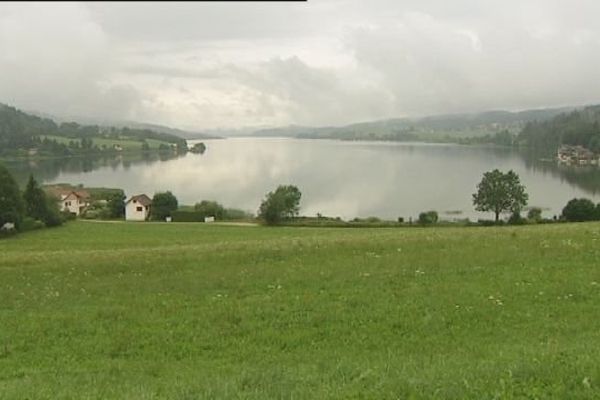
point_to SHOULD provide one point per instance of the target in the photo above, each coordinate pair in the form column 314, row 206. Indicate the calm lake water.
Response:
column 345, row 179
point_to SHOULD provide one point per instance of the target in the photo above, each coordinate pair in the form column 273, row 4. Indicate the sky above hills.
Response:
column 321, row 62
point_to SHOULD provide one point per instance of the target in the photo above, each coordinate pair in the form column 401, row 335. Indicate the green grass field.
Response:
column 193, row 311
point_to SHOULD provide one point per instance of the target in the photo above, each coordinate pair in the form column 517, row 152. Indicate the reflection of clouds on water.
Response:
column 230, row 174
column 346, row 179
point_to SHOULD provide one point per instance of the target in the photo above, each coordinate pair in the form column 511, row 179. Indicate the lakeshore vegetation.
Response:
column 118, row 310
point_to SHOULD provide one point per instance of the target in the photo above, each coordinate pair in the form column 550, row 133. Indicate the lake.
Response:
column 336, row 178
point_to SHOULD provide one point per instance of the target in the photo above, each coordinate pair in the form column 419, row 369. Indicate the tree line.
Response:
column 20, row 131
column 498, row 192
column 580, row 127
column 26, row 210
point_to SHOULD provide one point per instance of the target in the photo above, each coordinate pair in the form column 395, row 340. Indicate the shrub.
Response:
column 428, row 217
column 210, row 209
column 489, row 222
column 67, row 216
column 234, row 213
column 91, row 214
column 30, row 224
column 516, row 219
column 163, row 205
column 534, row 214
column 187, row 216
column 579, row 210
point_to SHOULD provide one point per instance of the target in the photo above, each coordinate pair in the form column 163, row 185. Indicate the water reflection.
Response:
column 346, row 179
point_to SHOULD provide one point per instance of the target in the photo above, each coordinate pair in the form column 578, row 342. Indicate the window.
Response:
column 139, row 208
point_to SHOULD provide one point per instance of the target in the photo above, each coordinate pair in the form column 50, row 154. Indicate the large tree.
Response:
column 283, row 203
column 500, row 192
column 11, row 205
column 163, row 204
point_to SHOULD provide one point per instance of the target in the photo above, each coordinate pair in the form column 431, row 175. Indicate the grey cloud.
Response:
column 56, row 60
column 322, row 62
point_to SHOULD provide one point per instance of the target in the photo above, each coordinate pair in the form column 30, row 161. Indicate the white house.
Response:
column 73, row 202
column 137, row 208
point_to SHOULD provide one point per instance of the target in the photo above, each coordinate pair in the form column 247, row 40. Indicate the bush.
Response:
column 535, row 214
column 428, row 217
column 187, row 216
column 234, row 213
column 67, row 216
column 579, row 210
column 489, row 222
column 210, row 209
column 30, row 224
column 163, row 205
column 516, row 219
column 91, row 214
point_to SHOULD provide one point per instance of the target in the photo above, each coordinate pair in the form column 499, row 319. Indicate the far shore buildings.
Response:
column 137, row 208
column 577, row 155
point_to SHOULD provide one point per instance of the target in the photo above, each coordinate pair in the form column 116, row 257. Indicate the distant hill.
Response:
column 172, row 131
column 24, row 134
column 130, row 124
column 431, row 128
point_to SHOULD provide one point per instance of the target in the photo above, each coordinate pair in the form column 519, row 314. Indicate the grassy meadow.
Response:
column 192, row 311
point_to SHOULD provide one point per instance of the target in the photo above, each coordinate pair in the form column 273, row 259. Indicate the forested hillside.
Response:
column 580, row 127
column 439, row 128
column 22, row 133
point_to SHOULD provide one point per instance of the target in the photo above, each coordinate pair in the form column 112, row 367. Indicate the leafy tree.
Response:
column 500, row 192
column 210, row 209
column 579, row 210
column 116, row 205
column 283, row 203
column 11, row 205
column 429, row 217
column 163, row 204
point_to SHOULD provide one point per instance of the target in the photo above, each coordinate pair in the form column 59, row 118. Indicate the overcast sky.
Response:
column 322, row 62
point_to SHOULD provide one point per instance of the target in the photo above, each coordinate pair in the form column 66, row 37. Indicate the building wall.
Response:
column 132, row 213
column 70, row 204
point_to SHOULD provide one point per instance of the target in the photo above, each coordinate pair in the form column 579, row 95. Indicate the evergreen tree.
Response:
column 35, row 200
column 11, row 205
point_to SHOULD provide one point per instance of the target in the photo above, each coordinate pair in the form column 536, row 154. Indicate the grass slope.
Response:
column 149, row 311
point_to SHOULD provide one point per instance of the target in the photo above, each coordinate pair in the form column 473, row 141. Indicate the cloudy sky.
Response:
column 224, row 65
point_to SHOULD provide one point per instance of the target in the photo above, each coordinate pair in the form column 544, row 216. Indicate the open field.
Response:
column 193, row 311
